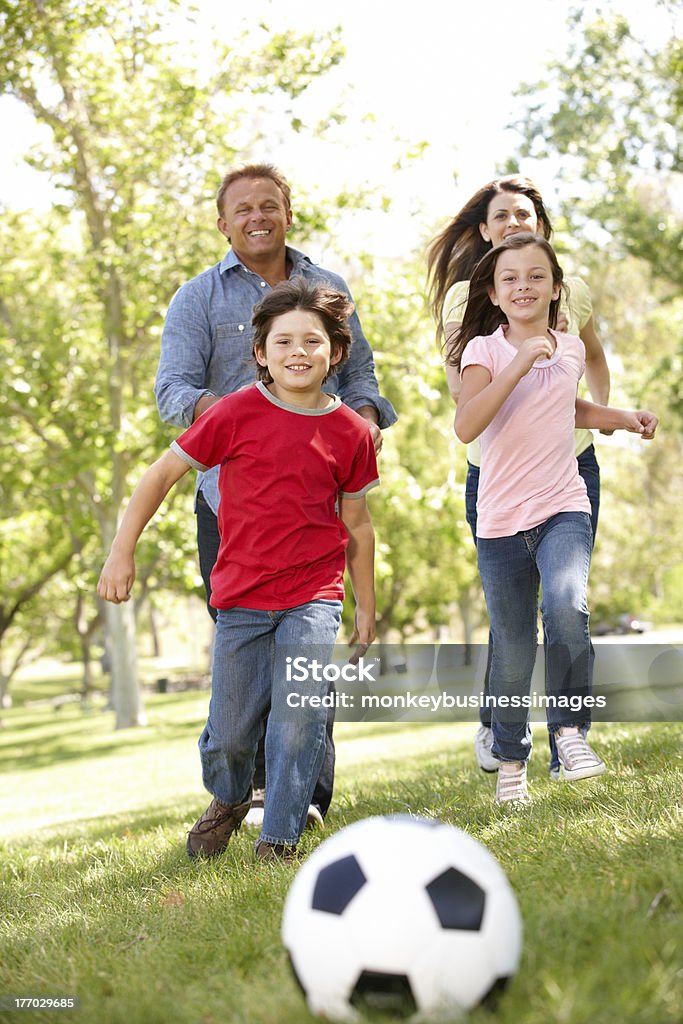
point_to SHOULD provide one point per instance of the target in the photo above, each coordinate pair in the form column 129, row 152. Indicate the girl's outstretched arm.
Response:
column 118, row 572
column 603, row 417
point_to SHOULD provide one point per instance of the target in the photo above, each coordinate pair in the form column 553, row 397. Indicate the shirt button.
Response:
column 241, row 327
column 263, row 284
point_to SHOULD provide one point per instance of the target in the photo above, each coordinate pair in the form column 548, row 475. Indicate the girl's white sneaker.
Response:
column 578, row 760
column 511, row 787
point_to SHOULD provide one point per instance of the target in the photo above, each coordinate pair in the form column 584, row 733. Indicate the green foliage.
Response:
column 425, row 558
column 609, row 115
column 140, row 134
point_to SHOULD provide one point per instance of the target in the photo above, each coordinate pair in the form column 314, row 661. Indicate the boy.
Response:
column 289, row 456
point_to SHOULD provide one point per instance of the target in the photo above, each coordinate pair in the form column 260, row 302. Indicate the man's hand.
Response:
column 369, row 414
column 376, row 435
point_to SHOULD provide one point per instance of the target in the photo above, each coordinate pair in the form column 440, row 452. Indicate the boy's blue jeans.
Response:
column 554, row 556
column 249, row 677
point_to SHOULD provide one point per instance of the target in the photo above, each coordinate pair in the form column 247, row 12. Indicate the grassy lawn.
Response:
column 98, row 899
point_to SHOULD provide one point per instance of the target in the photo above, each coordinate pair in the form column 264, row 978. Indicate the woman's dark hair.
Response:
column 481, row 317
column 333, row 307
column 454, row 253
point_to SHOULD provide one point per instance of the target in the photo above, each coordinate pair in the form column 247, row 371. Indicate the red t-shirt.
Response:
column 282, row 469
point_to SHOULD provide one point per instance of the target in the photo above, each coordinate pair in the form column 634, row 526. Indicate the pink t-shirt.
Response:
column 529, row 470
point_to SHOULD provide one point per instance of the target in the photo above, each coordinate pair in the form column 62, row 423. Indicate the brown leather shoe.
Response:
column 211, row 833
column 274, row 852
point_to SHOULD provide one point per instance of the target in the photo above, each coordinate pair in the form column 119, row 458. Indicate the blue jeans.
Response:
column 554, row 557
column 590, row 471
column 208, row 542
column 249, row 676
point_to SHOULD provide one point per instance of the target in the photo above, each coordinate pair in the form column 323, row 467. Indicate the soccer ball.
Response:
column 403, row 915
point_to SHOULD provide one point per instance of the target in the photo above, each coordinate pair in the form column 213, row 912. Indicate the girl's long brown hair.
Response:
column 454, row 253
column 481, row 317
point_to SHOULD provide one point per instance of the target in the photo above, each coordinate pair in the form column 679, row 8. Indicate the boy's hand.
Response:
column 116, row 579
column 642, row 422
column 364, row 632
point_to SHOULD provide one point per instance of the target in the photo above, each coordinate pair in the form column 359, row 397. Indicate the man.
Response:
column 205, row 354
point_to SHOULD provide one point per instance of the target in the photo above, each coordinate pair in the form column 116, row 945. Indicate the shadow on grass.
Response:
column 54, row 745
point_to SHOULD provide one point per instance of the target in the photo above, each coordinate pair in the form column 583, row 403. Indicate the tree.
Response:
column 425, row 559
column 609, row 115
column 137, row 146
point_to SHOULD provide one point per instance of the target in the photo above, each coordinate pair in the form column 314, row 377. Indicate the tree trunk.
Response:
column 467, row 626
column 154, row 630
column 125, row 689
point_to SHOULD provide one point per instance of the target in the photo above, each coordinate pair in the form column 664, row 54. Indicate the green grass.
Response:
column 98, row 899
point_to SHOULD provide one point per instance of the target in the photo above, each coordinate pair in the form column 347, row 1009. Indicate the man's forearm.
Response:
column 204, row 403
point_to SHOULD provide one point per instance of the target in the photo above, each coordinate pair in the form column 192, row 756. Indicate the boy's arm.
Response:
column 603, row 417
column 360, row 561
column 118, row 572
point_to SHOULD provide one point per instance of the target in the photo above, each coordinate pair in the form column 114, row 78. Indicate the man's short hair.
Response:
column 254, row 171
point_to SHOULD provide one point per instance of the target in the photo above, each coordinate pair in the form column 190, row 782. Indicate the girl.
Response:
column 503, row 207
column 518, row 396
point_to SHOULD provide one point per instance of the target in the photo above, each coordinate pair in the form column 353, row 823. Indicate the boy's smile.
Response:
column 298, row 355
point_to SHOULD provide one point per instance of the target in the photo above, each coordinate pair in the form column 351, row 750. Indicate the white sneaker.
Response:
column 314, row 818
column 483, row 741
column 577, row 759
column 254, row 818
column 511, row 787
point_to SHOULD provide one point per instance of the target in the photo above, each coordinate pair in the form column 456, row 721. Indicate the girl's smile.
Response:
column 523, row 288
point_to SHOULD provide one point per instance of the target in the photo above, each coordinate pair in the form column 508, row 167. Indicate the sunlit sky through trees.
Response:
column 436, row 74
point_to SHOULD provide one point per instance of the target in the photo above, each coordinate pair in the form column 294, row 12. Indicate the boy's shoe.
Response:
column 554, row 772
column 577, row 759
column 254, row 817
column 314, row 818
column 274, row 852
column 483, row 741
column 511, row 787
column 211, row 833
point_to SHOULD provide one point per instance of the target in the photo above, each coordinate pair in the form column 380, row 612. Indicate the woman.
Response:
column 504, row 207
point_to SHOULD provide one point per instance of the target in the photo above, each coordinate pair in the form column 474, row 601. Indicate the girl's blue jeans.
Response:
column 554, row 557
column 250, row 676
column 590, row 471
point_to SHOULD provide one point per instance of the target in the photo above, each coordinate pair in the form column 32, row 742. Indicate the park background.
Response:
column 119, row 121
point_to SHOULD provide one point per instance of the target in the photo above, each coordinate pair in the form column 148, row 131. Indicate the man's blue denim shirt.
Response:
column 206, row 347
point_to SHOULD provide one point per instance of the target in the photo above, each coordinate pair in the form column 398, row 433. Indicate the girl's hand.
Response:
column 117, row 578
column 562, row 322
column 641, row 421
column 530, row 350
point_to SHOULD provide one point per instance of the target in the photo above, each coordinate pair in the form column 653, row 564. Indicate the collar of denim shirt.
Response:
column 231, row 260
